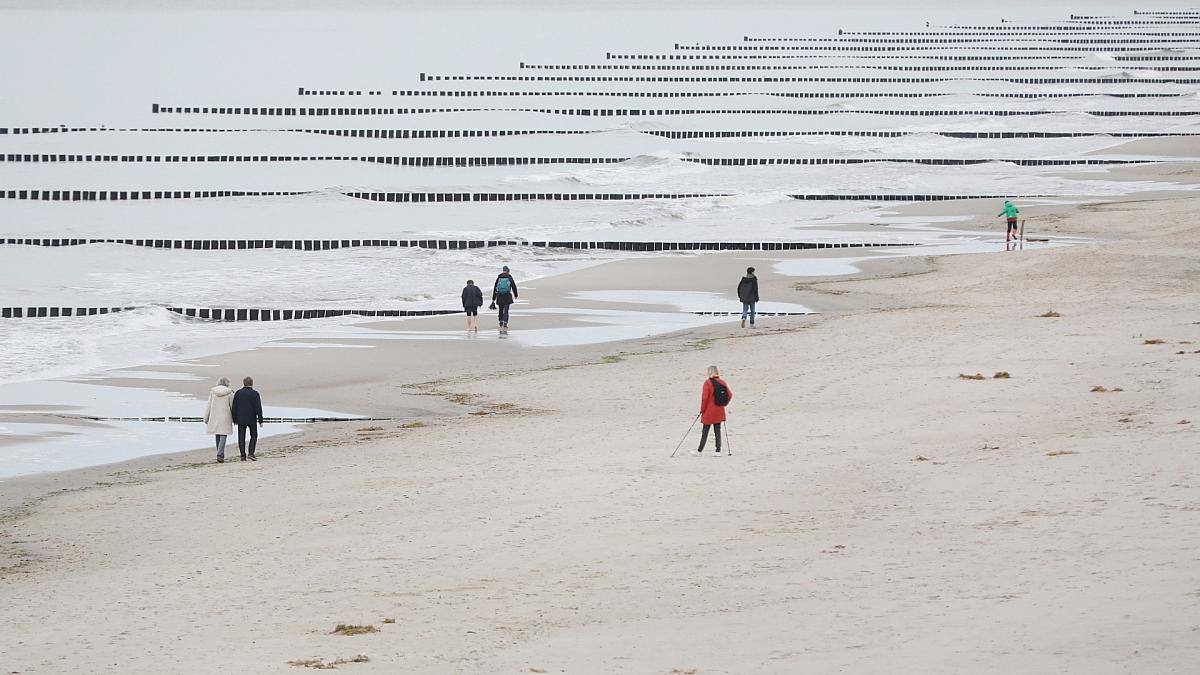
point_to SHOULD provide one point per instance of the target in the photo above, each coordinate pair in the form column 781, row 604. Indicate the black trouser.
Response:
column 716, row 435
column 254, row 438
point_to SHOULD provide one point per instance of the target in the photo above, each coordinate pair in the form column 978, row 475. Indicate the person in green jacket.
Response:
column 1010, row 212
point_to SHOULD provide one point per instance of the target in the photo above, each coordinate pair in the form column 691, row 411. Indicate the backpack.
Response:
column 720, row 392
column 504, row 285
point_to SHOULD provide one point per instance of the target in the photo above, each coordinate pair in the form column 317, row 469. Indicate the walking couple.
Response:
column 226, row 408
column 504, row 293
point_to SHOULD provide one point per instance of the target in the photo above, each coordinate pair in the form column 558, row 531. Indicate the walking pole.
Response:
column 728, row 444
column 685, row 435
column 1022, row 237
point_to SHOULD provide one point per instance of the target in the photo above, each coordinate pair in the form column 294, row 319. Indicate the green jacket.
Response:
column 1010, row 211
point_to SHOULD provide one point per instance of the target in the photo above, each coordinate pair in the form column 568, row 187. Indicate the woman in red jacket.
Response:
column 713, row 398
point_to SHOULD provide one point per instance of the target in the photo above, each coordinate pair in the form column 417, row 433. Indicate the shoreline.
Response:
column 967, row 216
column 22, row 490
column 333, row 394
column 410, row 335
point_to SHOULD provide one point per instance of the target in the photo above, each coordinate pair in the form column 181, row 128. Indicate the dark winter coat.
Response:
column 472, row 297
column 504, row 298
column 710, row 412
column 247, row 407
column 748, row 289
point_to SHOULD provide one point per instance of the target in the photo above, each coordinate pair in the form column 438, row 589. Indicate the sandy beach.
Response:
column 879, row 513
column 946, row 453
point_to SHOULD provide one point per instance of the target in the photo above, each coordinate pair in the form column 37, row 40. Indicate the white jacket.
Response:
column 218, row 416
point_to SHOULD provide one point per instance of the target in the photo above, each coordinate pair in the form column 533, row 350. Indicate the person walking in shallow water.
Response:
column 748, row 294
column 1010, row 215
column 504, row 292
column 714, row 396
column 247, row 410
column 218, row 415
column 472, row 300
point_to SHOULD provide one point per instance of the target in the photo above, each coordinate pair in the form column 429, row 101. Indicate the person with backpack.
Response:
column 714, row 396
column 504, row 292
column 472, row 300
column 748, row 293
column 1010, row 214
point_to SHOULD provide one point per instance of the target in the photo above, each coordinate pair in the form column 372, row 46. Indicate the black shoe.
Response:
column 253, row 458
column 243, row 458
column 220, row 460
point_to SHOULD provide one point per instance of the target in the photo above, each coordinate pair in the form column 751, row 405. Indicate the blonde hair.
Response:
column 712, row 370
column 224, row 381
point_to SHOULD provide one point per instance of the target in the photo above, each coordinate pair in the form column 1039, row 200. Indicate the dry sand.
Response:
column 879, row 514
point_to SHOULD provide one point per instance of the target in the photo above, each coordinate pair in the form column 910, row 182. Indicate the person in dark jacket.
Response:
column 472, row 299
column 504, row 292
column 247, row 409
column 748, row 294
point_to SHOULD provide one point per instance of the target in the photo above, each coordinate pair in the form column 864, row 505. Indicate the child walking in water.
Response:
column 714, row 396
column 1010, row 214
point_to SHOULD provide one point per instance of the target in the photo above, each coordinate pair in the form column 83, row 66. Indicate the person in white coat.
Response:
column 218, row 416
